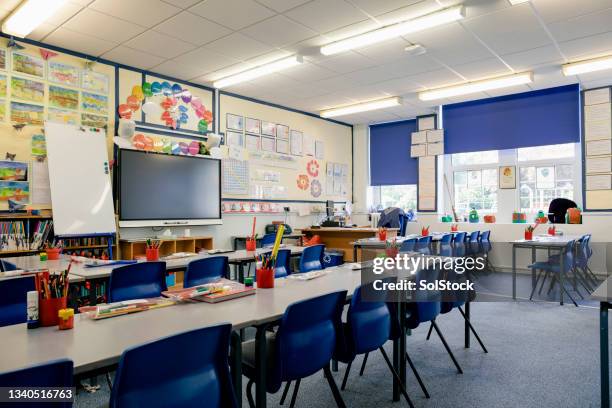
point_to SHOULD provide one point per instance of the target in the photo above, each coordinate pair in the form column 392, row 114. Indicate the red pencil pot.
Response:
column 454, row 228
column 53, row 254
column 391, row 252
column 251, row 244
column 265, row 278
column 152, row 254
column 382, row 235
column 49, row 309
column 528, row 235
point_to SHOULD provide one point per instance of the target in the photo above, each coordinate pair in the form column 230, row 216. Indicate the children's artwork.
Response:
column 94, row 103
column 28, row 64
column 253, row 126
column 39, row 146
column 282, row 146
column 13, row 171
column 27, row 90
column 296, row 142
column 94, row 81
column 268, row 144
column 63, row 74
column 234, row 138
column 3, row 58
column 63, row 97
column 234, row 122
column 268, row 128
column 63, row 116
column 308, row 145
column 95, row 121
column 319, row 149
column 2, row 110
column 282, row 132
column 27, row 114
column 18, row 191
column 252, row 143
column 315, row 188
column 3, row 85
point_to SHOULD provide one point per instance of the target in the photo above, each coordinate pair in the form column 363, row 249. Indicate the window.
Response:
column 560, row 151
column 402, row 196
column 538, row 185
column 475, row 189
column 475, row 158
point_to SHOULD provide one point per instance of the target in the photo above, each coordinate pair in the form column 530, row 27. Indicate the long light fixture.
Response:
column 29, row 15
column 591, row 65
column 395, row 30
column 259, row 71
column 515, row 2
column 362, row 107
column 477, row 86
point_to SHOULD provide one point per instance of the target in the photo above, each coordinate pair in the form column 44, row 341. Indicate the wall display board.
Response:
column 597, row 149
column 426, row 136
column 289, row 153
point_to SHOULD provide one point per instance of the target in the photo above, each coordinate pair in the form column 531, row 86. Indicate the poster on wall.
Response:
column 27, row 90
column 268, row 144
column 63, row 98
column 507, row 177
column 3, row 58
column 308, row 145
column 234, row 138
column 27, row 114
column 252, row 126
column 268, row 128
column 94, row 103
column 2, row 110
column 27, row 64
column 94, row 81
column 95, row 121
column 296, row 142
column 234, row 122
column 3, row 85
column 282, row 132
column 252, row 143
column 63, row 74
column 63, row 116
column 282, row 146
column 18, row 191
column 13, row 171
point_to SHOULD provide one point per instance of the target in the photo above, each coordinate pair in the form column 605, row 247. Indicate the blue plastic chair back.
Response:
column 426, row 305
column 312, row 258
column 137, row 281
column 474, row 236
column 283, row 267
column 7, row 266
column 568, row 263
column 57, row 373
column 408, row 245
column 206, row 270
column 306, row 338
column 446, row 238
column 425, row 240
column 13, row 299
column 485, row 236
column 184, row 370
column 369, row 324
column 445, row 249
column 423, row 245
column 583, row 255
column 403, row 221
column 268, row 240
column 459, row 237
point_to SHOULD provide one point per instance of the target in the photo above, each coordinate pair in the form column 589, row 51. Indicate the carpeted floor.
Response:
column 540, row 355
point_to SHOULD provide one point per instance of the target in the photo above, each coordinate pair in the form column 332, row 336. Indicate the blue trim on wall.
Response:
column 435, row 210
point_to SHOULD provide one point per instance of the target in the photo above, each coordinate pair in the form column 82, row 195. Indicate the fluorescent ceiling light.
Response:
column 477, row 86
column 362, row 107
column 259, row 71
column 581, row 67
column 414, row 50
column 29, row 15
column 395, row 30
column 515, row 2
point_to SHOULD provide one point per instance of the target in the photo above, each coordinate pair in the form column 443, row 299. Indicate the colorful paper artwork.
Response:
column 2, row 110
column 95, row 121
column 18, row 191
column 315, row 188
column 13, row 171
column 3, row 85
column 28, row 64
column 234, row 122
column 27, row 114
column 63, row 97
column 282, row 132
column 94, row 103
column 253, row 126
column 2, row 58
column 39, row 146
column 63, row 74
column 27, row 90
column 303, row 182
column 94, row 81
column 268, row 128
column 63, row 116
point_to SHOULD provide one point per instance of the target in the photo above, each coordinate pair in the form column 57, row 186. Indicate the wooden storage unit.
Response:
column 133, row 248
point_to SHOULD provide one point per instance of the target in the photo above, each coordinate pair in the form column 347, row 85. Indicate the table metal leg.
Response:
column 399, row 352
column 260, row 367
column 561, row 276
column 236, row 366
column 513, row 272
column 241, row 272
column 466, row 324
column 603, row 354
column 533, row 274
column 355, row 253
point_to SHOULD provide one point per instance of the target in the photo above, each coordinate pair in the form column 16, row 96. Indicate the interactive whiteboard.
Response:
column 79, row 177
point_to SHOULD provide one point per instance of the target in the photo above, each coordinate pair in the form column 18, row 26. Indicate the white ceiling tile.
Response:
column 464, row 98
column 397, row 86
column 9, row 5
column 132, row 57
column 194, row 29
column 174, row 69
column 282, row 5
column 379, row 116
column 41, row 32
column 587, row 47
column 308, row 72
column 103, row 26
column 409, row 12
column 64, row 13
column 146, row 13
column 182, row 3
column 377, row 7
column 273, row 83
column 350, row 30
column 235, row 14
column 159, row 44
column 387, row 51
column 326, row 15
column 597, row 76
column 307, row 91
column 482, row 69
column 508, row 91
column 555, row 10
column 319, row 103
column 335, row 84
column 524, row 60
column 354, row 119
column 238, row 46
column 81, row 2
column 346, row 62
column 596, row 84
column 279, row 31
column 365, row 93
column 587, row 25
column 410, row 65
column 435, row 79
column 374, row 74
column 510, row 30
column 475, row 8
column 74, row 41
column 206, row 60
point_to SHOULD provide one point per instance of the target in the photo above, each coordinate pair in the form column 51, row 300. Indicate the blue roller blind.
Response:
column 390, row 161
column 536, row 118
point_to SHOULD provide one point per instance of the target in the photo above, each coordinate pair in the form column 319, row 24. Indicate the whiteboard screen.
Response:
column 79, row 177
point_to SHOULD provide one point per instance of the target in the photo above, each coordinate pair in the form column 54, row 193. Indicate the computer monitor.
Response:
column 329, row 206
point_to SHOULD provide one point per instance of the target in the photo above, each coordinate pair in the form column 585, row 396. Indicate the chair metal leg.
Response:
column 535, row 286
column 569, row 296
column 285, row 391
column 448, row 350
column 402, row 387
column 416, row 374
column 346, row 374
column 109, row 381
column 543, row 282
column 430, row 329
column 334, row 388
column 294, row 395
column 363, row 364
column 473, row 330
column 250, row 394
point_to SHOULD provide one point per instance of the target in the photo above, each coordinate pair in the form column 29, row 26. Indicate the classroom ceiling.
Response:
column 203, row 40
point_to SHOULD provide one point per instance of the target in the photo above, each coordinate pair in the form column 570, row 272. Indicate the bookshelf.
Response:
column 134, row 248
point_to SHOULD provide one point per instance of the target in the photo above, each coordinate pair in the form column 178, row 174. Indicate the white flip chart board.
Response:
column 79, row 177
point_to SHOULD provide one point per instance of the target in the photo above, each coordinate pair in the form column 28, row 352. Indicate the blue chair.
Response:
column 206, row 270
column 459, row 237
column 6, row 266
column 303, row 345
column 368, row 327
column 408, row 245
column 473, row 236
column 184, row 370
column 584, row 253
column 57, row 373
column 446, row 238
column 552, row 267
column 312, row 258
column 403, row 221
column 137, row 281
column 283, row 266
column 268, row 240
column 13, row 299
column 484, row 236
column 423, row 245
